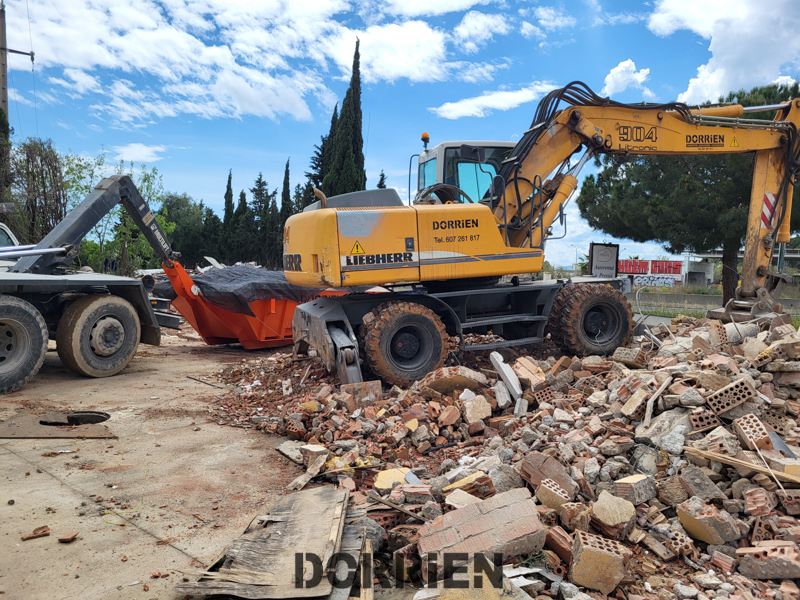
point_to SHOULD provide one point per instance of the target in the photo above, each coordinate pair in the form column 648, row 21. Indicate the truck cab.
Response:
column 7, row 239
column 454, row 163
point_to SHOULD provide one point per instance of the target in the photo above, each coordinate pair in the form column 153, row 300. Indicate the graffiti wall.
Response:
column 655, row 281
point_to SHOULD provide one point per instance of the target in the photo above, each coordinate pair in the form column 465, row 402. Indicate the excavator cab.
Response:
column 470, row 166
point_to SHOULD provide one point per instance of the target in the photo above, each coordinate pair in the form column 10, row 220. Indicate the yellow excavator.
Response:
column 402, row 278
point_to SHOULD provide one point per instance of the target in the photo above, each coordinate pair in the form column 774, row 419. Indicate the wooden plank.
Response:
column 367, row 591
column 260, row 563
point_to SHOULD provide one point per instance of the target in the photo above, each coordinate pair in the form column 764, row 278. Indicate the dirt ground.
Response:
column 176, row 487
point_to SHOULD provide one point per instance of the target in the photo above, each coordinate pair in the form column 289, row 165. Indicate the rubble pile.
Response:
column 671, row 469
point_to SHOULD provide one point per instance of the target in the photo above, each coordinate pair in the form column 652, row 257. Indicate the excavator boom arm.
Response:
column 539, row 179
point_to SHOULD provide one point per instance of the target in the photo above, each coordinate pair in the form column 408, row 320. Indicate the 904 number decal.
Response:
column 637, row 133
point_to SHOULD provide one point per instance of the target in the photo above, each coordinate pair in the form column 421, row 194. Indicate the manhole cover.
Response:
column 80, row 417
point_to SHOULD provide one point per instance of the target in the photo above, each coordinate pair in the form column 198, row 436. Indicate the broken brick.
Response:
column 597, row 563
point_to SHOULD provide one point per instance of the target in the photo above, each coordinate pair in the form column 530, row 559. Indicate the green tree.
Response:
column 287, row 206
column 345, row 172
column 381, row 181
column 38, row 191
column 262, row 225
column 273, row 235
column 212, row 238
column 187, row 215
column 695, row 203
column 241, row 240
column 321, row 157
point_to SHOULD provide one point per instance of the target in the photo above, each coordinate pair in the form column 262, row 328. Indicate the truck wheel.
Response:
column 592, row 319
column 23, row 342
column 403, row 341
column 97, row 335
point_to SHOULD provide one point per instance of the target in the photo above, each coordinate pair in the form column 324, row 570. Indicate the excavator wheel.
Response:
column 97, row 335
column 403, row 341
column 23, row 342
column 591, row 319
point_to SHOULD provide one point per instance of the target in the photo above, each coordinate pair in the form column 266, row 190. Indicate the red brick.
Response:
column 438, row 540
column 462, row 515
column 510, row 497
column 483, row 542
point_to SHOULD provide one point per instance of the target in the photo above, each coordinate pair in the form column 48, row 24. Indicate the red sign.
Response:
column 666, row 267
column 630, row 266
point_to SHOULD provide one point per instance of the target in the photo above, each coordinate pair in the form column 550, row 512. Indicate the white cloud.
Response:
column 226, row 58
column 786, row 80
column 477, row 29
column 480, row 106
column 78, row 81
column 412, row 50
column 418, row 8
column 601, row 17
column 138, row 153
column 749, row 43
column 14, row 95
column 625, row 75
column 530, row 30
column 552, row 18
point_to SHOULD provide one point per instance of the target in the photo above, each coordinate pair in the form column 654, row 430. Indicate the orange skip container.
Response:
column 269, row 327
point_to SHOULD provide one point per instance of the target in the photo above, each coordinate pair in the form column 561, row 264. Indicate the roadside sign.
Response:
column 603, row 259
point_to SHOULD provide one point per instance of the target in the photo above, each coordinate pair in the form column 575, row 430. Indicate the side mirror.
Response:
column 473, row 153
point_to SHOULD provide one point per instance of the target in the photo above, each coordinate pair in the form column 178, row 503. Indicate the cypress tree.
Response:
column 287, row 207
column 228, row 212
column 345, row 172
column 240, row 228
column 274, row 238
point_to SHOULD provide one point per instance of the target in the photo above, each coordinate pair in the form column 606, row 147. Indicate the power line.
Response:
column 33, row 71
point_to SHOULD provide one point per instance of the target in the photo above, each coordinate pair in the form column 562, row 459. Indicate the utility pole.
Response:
column 5, row 126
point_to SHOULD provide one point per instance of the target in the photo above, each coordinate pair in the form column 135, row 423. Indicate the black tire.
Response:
column 592, row 318
column 97, row 336
column 554, row 320
column 23, row 342
column 402, row 342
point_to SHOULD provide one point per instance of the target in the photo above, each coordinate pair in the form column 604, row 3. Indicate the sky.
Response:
column 198, row 87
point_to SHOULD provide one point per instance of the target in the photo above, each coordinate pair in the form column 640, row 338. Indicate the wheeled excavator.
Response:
column 413, row 278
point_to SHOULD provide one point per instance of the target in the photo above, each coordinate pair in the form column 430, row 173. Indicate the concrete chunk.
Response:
column 637, row 489
column 507, row 374
column 706, row 523
column 613, row 516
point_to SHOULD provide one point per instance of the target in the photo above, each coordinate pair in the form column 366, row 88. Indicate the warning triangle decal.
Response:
column 357, row 248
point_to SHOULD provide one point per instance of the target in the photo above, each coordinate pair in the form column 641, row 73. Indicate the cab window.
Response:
column 475, row 179
column 5, row 239
column 427, row 174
